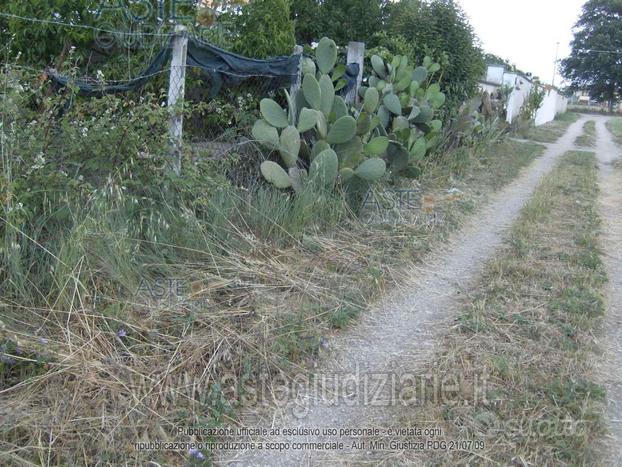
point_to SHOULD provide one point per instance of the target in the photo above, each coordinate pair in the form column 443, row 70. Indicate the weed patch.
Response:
column 588, row 138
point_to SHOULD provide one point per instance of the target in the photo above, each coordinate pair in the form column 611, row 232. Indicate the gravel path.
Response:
column 611, row 212
column 398, row 335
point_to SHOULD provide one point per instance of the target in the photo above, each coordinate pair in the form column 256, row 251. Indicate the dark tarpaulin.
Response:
column 91, row 88
column 227, row 69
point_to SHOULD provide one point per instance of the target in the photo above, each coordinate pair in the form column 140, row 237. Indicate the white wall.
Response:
column 494, row 74
column 520, row 93
column 553, row 104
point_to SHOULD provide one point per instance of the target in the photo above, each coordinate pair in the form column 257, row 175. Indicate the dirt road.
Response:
column 399, row 334
column 611, row 213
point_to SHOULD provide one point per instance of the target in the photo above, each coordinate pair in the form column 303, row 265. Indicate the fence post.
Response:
column 176, row 90
column 298, row 49
column 356, row 54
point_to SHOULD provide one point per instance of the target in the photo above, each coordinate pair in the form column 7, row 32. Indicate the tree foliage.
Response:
column 342, row 20
column 262, row 28
column 595, row 62
column 440, row 28
column 43, row 43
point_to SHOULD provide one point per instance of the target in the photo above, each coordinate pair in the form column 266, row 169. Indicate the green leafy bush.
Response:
column 261, row 28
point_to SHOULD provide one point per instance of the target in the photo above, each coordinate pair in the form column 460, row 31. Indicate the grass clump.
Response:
column 588, row 138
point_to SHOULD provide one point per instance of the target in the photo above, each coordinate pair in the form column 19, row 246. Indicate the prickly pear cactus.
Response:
column 405, row 102
column 337, row 141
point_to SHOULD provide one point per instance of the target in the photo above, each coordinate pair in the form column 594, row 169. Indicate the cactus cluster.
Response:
column 321, row 139
column 318, row 131
column 409, row 102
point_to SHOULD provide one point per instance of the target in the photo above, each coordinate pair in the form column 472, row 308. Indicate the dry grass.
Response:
column 588, row 137
column 529, row 328
column 91, row 375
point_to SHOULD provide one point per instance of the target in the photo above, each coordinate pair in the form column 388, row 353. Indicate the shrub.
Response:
column 261, row 29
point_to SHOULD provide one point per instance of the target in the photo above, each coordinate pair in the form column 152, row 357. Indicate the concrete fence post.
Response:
column 176, row 90
column 356, row 54
column 295, row 86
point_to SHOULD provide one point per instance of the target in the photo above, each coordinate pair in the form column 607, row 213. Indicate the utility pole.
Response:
column 555, row 65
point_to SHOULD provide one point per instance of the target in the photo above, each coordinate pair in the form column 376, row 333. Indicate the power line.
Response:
column 83, row 26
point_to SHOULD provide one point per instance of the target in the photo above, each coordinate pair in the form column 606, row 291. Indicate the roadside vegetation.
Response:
column 151, row 307
column 528, row 330
column 588, row 138
column 614, row 125
column 135, row 300
column 552, row 131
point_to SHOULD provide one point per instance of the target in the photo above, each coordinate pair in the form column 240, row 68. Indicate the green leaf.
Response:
column 392, row 103
column 308, row 66
column 322, row 125
column 312, row 92
column 342, row 130
column 418, row 150
column 275, row 174
column 377, row 64
column 297, row 177
column 363, row 124
column 339, row 107
column 384, row 115
column 350, row 153
column 266, row 134
column 273, row 113
column 420, row 74
column 327, row 94
column 400, row 123
column 377, row 146
column 371, row 169
column 318, row 147
column 326, row 54
column 290, row 146
column 372, row 99
column 307, row 120
column 425, row 115
column 415, row 111
column 324, row 168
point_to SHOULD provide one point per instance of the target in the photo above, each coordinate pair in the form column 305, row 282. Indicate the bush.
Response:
column 261, row 29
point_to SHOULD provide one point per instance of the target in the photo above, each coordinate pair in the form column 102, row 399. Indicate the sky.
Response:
column 525, row 32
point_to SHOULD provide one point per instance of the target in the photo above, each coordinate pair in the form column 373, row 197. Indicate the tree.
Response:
column 595, row 62
column 45, row 43
column 306, row 17
column 262, row 28
column 441, row 29
column 341, row 20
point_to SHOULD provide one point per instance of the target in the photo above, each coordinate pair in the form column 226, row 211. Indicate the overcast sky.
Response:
column 526, row 31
